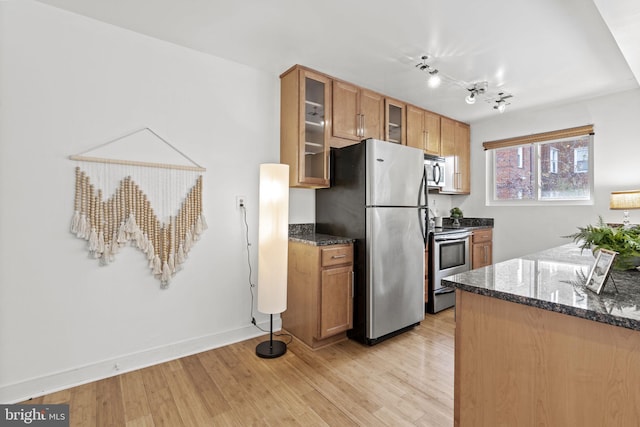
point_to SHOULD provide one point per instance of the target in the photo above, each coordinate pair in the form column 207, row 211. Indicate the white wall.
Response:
column 69, row 83
column 524, row 229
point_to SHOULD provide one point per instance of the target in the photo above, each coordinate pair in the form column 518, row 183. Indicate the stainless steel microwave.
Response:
column 434, row 170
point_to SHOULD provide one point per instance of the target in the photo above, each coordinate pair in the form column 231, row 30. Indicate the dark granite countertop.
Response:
column 469, row 224
column 305, row 233
column 553, row 280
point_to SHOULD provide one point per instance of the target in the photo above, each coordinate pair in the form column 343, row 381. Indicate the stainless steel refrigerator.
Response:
column 378, row 196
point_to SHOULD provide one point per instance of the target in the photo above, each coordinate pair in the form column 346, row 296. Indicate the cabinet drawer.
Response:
column 483, row 235
column 336, row 255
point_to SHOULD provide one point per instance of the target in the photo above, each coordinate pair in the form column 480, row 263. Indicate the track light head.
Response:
column 434, row 78
column 501, row 103
column 471, row 98
column 476, row 89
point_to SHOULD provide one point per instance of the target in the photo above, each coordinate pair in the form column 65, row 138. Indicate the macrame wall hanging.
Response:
column 156, row 207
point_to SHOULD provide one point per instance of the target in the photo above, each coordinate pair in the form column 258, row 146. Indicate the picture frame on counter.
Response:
column 600, row 270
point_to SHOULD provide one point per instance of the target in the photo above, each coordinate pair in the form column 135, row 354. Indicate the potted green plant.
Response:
column 624, row 241
column 455, row 214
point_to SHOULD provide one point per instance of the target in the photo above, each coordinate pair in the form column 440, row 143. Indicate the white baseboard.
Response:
column 36, row 387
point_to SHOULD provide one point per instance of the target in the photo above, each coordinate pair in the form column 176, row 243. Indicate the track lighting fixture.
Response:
column 475, row 90
column 471, row 98
column 434, row 79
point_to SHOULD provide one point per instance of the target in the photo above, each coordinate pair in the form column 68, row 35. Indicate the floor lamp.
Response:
column 273, row 237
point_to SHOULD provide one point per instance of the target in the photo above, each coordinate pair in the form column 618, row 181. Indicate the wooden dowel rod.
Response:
column 136, row 163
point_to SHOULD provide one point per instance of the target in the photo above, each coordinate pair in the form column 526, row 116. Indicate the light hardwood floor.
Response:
column 407, row 380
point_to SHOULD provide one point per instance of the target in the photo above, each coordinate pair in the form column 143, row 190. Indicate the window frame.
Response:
column 491, row 173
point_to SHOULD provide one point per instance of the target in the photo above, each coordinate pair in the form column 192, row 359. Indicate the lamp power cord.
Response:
column 252, row 285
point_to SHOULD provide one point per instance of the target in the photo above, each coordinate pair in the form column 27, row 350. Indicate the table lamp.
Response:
column 625, row 200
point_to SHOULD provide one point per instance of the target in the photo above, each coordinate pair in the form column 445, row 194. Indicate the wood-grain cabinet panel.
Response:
column 481, row 248
column 358, row 113
column 455, row 147
column 305, row 109
column 319, row 111
column 319, row 293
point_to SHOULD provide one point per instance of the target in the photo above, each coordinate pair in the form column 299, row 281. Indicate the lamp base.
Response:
column 271, row 349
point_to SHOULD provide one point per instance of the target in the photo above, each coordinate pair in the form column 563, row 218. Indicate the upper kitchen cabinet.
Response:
column 395, row 119
column 318, row 111
column 423, row 130
column 357, row 114
column 456, row 149
column 305, row 112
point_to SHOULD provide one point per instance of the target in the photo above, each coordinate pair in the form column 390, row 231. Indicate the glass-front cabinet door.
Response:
column 314, row 145
column 394, row 121
column 305, row 126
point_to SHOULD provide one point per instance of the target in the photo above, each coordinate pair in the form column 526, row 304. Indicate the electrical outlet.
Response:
column 241, row 202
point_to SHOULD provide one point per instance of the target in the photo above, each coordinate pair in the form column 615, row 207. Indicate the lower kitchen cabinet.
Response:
column 319, row 293
column 481, row 247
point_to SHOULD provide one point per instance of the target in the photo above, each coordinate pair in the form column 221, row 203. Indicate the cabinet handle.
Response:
column 362, row 125
column 426, row 140
column 353, row 283
column 338, row 256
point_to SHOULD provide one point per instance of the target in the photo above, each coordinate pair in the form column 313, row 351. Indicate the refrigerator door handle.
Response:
column 353, row 284
column 422, row 191
column 423, row 222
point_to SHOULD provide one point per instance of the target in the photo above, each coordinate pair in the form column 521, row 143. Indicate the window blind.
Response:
column 539, row 137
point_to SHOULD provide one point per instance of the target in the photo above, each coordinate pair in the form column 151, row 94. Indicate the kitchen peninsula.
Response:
column 533, row 346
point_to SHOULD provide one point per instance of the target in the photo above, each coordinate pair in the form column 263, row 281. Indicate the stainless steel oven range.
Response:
column 448, row 254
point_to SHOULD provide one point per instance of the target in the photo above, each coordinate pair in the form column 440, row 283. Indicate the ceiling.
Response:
column 544, row 52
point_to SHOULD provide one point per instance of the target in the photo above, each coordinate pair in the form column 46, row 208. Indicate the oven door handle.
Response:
column 445, row 238
column 443, row 290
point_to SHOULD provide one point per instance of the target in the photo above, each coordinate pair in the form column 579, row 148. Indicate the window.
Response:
column 543, row 169
column 581, row 160
column 520, row 158
column 553, row 160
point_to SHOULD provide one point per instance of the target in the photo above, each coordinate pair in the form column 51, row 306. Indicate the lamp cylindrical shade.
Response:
column 273, row 238
column 625, row 200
